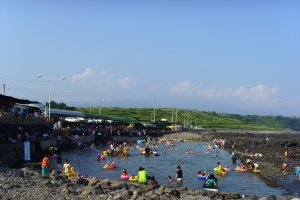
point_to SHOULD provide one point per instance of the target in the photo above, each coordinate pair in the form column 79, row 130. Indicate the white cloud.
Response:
column 260, row 95
column 257, row 96
column 102, row 79
column 126, row 82
column 87, row 73
column 185, row 88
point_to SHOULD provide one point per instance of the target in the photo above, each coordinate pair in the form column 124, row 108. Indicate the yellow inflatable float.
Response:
column 72, row 172
column 216, row 169
column 133, row 178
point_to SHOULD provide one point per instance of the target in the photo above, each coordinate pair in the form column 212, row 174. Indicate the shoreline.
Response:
column 30, row 184
column 26, row 181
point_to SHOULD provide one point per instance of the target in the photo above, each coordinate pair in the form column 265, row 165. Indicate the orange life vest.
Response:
column 45, row 162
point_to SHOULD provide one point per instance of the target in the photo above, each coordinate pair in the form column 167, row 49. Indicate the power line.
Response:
column 10, row 79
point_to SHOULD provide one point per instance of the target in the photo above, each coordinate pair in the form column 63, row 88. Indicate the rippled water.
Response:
column 86, row 163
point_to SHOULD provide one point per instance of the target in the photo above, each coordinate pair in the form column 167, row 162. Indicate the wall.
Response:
column 122, row 139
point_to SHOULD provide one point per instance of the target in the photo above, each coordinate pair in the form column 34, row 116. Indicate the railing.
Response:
column 16, row 119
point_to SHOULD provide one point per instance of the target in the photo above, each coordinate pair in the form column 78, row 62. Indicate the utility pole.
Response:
column 4, row 89
column 100, row 103
column 176, row 120
column 172, row 116
column 154, row 112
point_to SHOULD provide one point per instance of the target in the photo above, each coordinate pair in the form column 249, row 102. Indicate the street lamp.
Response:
column 50, row 81
column 100, row 103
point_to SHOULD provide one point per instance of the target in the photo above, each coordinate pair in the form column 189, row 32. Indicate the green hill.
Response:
column 198, row 118
column 202, row 118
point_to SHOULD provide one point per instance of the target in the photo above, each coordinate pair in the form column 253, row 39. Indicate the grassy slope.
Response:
column 201, row 118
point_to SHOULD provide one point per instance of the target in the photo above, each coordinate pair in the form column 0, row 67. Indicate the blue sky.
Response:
column 239, row 57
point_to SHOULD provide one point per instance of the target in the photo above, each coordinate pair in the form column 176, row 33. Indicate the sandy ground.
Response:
column 200, row 135
column 183, row 135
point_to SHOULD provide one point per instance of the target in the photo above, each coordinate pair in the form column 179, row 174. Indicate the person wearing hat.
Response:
column 66, row 167
column 250, row 164
column 143, row 175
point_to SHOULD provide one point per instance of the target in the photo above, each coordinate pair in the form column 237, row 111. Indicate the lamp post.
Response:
column 100, row 103
column 50, row 81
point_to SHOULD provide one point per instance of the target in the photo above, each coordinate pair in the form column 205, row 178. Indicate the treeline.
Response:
column 271, row 121
column 61, row 106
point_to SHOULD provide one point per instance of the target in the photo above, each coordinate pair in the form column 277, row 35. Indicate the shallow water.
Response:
column 85, row 162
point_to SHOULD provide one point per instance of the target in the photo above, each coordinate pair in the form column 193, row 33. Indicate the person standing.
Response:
column 45, row 164
column 285, row 167
column 143, row 175
column 66, row 167
column 233, row 159
column 178, row 175
column 286, row 151
column 58, row 160
column 298, row 172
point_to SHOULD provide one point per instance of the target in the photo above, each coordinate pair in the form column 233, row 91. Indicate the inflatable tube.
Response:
column 207, row 151
column 72, row 172
column 112, row 166
column 190, row 152
column 211, row 188
column 243, row 170
column 76, row 136
column 201, row 177
column 133, row 178
column 12, row 140
column 227, row 169
column 139, row 141
column 125, row 176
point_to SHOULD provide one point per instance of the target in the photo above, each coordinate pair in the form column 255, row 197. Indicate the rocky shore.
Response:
column 30, row 184
column 270, row 144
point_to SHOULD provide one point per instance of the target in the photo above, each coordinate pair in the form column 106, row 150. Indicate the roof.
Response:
column 94, row 116
column 8, row 100
column 114, row 118
column 66, row 112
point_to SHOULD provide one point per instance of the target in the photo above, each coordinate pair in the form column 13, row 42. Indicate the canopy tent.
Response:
column 94, row 116
column 124, row 119
column 8, row 100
